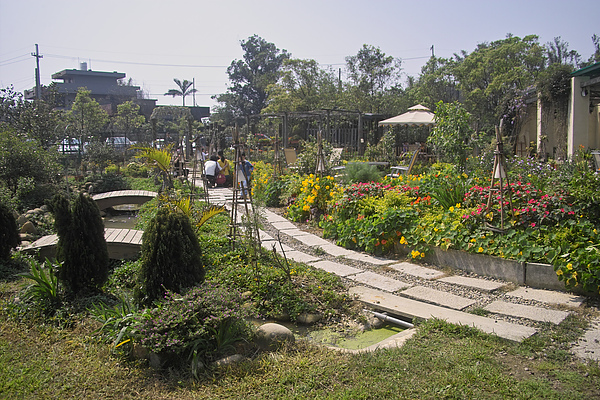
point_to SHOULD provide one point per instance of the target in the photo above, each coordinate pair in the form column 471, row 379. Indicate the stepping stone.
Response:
column 368, row 259
column 301, row 257
column 336, row 268
column 311, row 240
column 272, row 217
column 547, row 296
column 264, row 235
column 417, row 270
column 529, row 312
column 284, row 225
column 268, row 244
column 294, row 232
column 476, row 283
column 438, row 297
column 379, row 281
column 335, row 250
column 410, row 308
column 589, row 345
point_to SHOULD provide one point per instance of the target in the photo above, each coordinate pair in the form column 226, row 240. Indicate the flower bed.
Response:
column 550, row 216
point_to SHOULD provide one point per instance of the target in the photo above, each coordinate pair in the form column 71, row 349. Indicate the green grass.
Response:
column 440, row 361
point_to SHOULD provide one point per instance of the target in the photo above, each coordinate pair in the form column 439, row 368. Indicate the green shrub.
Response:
column 81, row 243
column 361, row 172
column 171, row 256
column 203, row 324
column 9, row 233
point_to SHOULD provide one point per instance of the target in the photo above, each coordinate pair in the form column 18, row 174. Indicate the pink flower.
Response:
column 533, row 224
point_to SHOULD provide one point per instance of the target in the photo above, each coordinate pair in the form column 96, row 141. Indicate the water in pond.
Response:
column 122, row 216
column 328, row 337
column 360, row 340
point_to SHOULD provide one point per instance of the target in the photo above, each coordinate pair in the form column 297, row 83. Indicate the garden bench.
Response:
column 596, row 155
column 400, row 169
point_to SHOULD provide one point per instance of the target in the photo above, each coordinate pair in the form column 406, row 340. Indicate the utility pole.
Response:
column 38, row 89
column 194, row 91
column 432, row 53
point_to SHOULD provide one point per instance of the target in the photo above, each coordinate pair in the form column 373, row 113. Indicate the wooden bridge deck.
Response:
column 121, row 243
column 111, row 199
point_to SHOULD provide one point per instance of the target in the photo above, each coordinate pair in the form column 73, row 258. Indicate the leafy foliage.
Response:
column 451, row 134
column 44, row 291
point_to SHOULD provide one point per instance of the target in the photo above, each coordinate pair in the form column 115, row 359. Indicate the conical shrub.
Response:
column 171, row 256
column 81, row 244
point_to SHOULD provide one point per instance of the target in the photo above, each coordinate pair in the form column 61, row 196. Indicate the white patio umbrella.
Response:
column 418, row 115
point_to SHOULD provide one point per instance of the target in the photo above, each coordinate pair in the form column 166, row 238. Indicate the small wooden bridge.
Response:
column 121, row 243
column 111, row 199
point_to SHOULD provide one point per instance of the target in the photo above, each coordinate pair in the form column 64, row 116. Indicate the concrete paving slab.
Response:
column 301, row 257
column 417, row 270
column 547, row 296
column 476, row 283
column 529, row 312
column 369, row 259
column 438, row 297
column 272, row 217
column 589, row 345
column 268, row 244
column 379, row 281
column 412, row 308
column 335, row 268
column 284, row 225
column 335, row 250
column 264, row 235
column 294, row 232
column 311, row 240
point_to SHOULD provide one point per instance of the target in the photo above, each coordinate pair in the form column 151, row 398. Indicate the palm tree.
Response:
column 185, row 88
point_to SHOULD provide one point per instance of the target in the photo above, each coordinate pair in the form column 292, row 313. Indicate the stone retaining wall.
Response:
column 541, row 276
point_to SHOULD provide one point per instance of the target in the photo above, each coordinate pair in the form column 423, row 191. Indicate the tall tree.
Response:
column 558, row 52
column 36, row 120
column 303, row 86
column 87, row 116
column 251, row 76
column 128, row 118
column 435, row 83
column 185, row 88
column 490, row 76
column 372, row 73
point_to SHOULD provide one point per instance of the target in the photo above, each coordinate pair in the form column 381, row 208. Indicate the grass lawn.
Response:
column 440, row 361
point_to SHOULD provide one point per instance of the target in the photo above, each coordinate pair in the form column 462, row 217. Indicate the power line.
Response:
column 141, row 63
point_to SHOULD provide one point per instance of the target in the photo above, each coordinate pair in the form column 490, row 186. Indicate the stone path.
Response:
column 411, row 291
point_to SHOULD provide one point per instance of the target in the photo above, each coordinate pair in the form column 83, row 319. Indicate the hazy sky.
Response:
column 155, row 41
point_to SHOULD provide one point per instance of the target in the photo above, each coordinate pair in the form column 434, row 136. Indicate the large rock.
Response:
column 271, row 336
column 21, row 219
column 29, row 227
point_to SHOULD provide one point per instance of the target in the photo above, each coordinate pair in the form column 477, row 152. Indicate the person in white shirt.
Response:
column 211, row 169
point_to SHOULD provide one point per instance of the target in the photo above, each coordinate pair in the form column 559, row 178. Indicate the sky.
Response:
column 154, row 41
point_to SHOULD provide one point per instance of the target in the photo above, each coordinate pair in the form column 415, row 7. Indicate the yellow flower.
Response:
column 559, row 272
column 403, row 240
column 327, row 187
column 457, row 205
column 306, row 207
column 569, row 266
column 317, row 187
column 480, row 250
column 473, row 240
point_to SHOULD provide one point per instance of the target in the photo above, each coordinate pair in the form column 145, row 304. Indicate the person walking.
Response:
column 244, row 174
